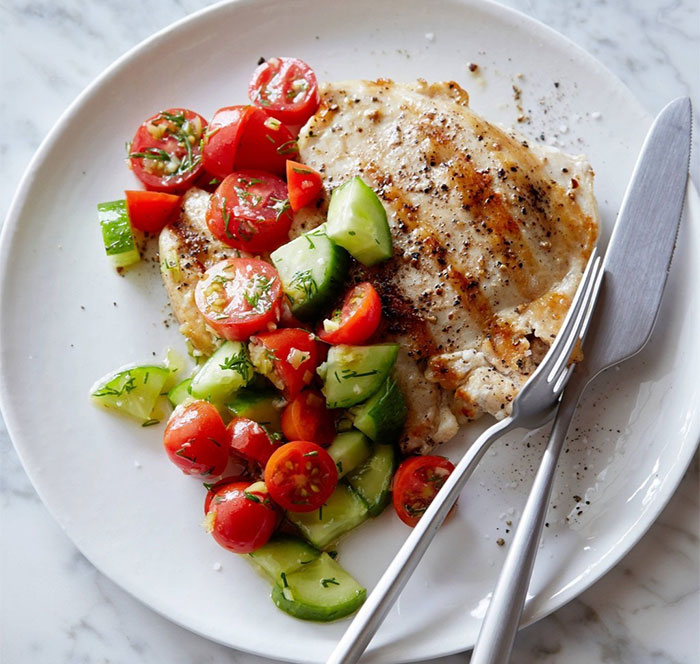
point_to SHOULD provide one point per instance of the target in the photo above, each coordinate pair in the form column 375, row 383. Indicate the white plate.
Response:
column 67, row 318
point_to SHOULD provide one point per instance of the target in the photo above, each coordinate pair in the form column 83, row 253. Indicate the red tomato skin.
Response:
column 281, row 343
column 413, row 486
column 357, row 323
column 257, row 229
column 265, row 144
column 151, row 211
column 240, row 321
column 214, row 488
column 283, row 482
column 195, row 440
column 306, row 417
column 304, row 184
column 142, row 140
column 221, row 139
column 250, row 440
column 240, row 521
column 280, row 72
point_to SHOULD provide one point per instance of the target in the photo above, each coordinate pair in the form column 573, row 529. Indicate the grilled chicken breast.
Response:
column 491, row 237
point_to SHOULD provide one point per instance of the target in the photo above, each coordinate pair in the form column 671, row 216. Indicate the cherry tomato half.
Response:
column 357, row 320
column 416, row 483
column 250, row 211
column 241, row 516
column 286, row 88
column 306, row 418
column 300, row 476
column 239, row 296
column 288, row 357
column 165, row 153
column 265, row 144
column 304, row 184
column 250, row 440
column 195, row 439
column 221, row 139
column 151, row 211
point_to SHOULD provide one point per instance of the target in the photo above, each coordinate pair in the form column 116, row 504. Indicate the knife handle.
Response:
column 497, row 634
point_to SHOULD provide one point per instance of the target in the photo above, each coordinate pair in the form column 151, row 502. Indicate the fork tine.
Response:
column 561, row 369
column 563, row 378
column 585, row 296
column 570, row 321
column 591, row 301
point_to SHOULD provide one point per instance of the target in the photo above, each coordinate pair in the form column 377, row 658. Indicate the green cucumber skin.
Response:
column 282, row 554
column 216, row 384
column 326, row 264
column 316, row 614
column 117, row 235
column 372, row 480
column 343, row 511
column 311, row 599
column 383, row 415
column 264, row 407
column 349, row 450
column 357, row 221
column 352, row 374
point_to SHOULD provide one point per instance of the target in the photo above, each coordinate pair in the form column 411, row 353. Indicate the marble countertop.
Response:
column 55, row 607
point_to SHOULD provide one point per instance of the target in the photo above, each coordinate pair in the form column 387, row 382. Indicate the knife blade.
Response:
column 639, row 254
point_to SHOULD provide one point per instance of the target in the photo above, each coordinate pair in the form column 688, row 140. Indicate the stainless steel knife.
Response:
column 635, row 270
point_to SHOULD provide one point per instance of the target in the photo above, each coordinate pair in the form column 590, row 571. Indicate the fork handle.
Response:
column 381, row 599
column 497, row 635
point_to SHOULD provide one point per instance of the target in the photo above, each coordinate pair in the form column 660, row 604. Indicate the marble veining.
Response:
column 55, row 608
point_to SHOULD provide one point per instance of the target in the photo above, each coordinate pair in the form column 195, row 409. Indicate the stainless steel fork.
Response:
column 535, row 405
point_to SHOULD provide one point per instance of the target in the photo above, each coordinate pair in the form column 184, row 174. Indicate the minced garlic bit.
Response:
column 297, row 357
column 208, row 523
column 330, row 325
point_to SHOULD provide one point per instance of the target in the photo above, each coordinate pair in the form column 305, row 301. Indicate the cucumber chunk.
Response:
column 180, row 393
column 352, row 374
column 357, row 221
column 312, row 269
column 342, row 512
column 177, row 365
column 117, row 236
column 372, row 480
column 264, row 407
column 227, row 370
column 349, row 450
column 321, row 590
column 133, row 391
column 283, row 555
column 383, row 415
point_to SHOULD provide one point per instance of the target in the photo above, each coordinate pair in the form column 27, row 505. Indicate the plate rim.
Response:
column 19, row 199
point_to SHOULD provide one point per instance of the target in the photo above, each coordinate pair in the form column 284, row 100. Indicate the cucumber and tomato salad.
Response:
column 177, row 148
column 259, row 421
